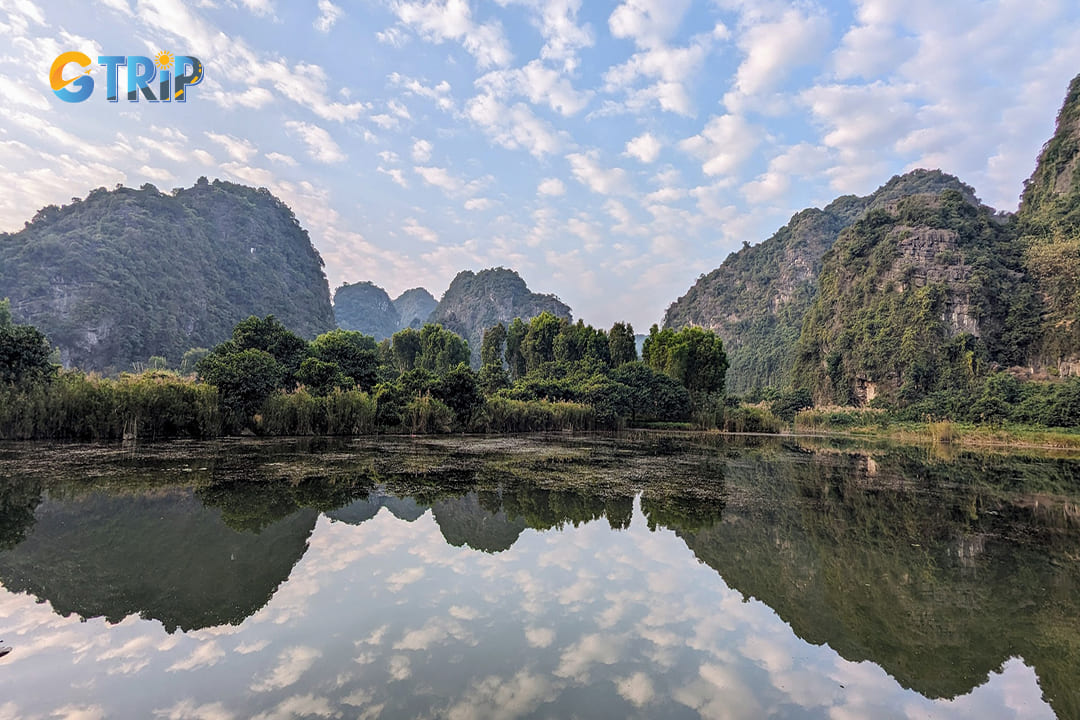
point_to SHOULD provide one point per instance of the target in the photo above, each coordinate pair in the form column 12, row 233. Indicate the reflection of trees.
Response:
column 939, row 587
column 252, row 505
column 684, row 511
column 543, row 509
column 18, row 500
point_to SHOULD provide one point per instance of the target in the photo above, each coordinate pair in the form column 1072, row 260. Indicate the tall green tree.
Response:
column 622, row 345
column 406, row 346
column 458, row 389
column 321, row 377
column 538, row 345
column 353, row 352
column 244, row 380
column 271, row 336
column 693, row 356
column 24, row 351
column 515, row 358
column 492, row 346
column 441, row 350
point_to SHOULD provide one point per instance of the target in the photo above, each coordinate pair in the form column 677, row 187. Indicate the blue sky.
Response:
column 609, row 151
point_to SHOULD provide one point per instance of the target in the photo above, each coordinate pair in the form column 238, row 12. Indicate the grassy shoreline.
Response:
column 952, row 433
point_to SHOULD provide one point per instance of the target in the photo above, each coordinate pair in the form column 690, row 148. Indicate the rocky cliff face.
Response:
column 364, row 306
column 414, row 307
column 126, row 274
column 757, row 298
column 476, row 301
column 1049, row 226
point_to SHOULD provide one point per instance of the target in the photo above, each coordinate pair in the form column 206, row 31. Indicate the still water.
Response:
column 639, row 576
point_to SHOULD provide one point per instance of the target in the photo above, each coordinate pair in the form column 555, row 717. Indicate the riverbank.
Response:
column 949, row 433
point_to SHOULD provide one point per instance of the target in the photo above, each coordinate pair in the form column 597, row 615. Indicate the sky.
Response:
column 611, row 152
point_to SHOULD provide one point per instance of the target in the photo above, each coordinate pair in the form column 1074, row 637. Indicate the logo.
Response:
column 168, row 76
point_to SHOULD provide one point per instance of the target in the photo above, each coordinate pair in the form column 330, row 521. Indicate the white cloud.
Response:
column 415, row 229
column 189, row 710
column 281, row 158
column 320, row 146
column 644, row 147
column 551, row 186
column 724, row 144
column 237, row 148
column 539, row 637
column 479, row 204
column 205, row 655
column 802, row 160
column 513, row 126
column 393, row 36
column 395, row 174
column 670, row 69
column 540, row 84
column 440, row 93
column 647, row 22
column 298, row 706
column 774, row 48
column 605, row 181
column 636, row 688
column 259, row 7
column 441, row 20
column 329, row 13
column 421, row 151
column 440, row 178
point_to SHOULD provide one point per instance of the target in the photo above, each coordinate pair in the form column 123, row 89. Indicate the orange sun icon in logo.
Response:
column 163, row 60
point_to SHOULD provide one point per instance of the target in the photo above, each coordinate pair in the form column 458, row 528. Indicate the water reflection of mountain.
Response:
column 464, row 521
column 360, row 511
column 938, row 571
column 162, row 555
column 938, row 588
column 492, row 520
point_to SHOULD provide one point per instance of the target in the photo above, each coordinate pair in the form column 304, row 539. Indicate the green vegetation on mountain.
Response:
column 127, row 274
column 928, row 296
column 1049, row 226
column 757, row 298
column 475, row 302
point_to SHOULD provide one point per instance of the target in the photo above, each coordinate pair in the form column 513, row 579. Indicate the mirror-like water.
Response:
column 641, row 576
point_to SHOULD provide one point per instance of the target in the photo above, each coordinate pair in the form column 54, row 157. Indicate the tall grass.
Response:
column 744, row 419
column 74, row 406
column 838, row 418
column 425, row 414
column 942, row 433
column 342, row 412
column 503, row 415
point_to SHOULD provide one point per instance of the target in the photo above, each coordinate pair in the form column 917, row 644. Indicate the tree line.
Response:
column 545, row 373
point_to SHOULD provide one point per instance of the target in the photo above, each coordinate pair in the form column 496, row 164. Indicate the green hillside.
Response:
column 126, row 274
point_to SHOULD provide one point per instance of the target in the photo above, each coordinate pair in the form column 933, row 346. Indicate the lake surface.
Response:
column 637, row 576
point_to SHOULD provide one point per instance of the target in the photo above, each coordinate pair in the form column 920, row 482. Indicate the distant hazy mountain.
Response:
column 126, row 274
column 366, row 307
column 414, row 307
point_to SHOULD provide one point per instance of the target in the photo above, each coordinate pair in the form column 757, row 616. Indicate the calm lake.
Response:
column 632, row 576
